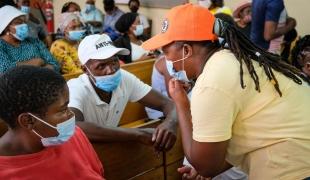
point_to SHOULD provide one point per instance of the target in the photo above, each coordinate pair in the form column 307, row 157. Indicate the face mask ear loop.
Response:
column 42, row 121
column 91, row 74
column 183, row 58
column 37, row 134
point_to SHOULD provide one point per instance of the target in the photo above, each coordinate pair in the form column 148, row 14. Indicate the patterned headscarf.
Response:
column 66, row 18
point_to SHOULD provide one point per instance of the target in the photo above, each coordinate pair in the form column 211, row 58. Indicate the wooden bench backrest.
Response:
column 143, row 70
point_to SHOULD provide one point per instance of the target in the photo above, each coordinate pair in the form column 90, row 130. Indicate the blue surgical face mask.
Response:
column 25, row 9
column 107, row 83
column 65, row 132
column 179, row 75
column 76, row 35
column 139, row 30
column 90, row 7
column 21, row 31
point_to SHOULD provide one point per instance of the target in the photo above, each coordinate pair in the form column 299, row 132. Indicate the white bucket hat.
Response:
column 7, row 14
column 98, row 47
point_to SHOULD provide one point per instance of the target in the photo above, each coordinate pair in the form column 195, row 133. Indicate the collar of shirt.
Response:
column 116, row 94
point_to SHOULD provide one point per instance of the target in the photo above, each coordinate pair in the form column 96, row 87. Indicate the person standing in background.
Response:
column 269, row 24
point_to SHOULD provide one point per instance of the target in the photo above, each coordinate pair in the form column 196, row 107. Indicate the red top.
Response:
column 75, row 159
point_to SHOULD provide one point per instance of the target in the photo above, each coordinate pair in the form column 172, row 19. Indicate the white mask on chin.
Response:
column 179, row 75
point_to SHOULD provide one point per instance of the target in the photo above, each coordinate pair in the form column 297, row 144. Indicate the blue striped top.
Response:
column 28, row 49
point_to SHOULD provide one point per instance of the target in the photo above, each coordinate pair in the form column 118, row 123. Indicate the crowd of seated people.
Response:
column 47, row 115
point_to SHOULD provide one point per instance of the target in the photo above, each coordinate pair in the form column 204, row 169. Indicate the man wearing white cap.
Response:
column 16, row 47
column 99, row 97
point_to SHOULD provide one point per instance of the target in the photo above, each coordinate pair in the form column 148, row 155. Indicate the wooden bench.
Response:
column 130, row 160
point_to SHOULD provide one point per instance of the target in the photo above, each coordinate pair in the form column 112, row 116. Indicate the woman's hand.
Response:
column 34, row 62
column 177, row 91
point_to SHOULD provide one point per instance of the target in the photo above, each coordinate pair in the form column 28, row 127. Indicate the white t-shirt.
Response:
column 144, row 21
column 137, row 51
column 84, row 98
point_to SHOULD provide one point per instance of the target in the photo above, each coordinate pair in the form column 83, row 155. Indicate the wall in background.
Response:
column 297, row 9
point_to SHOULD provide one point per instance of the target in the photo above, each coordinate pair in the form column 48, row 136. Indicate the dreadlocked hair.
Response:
column 301, row 44
column 245, row 51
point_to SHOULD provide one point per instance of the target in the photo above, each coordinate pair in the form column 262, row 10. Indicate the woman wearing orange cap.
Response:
column 248, row 108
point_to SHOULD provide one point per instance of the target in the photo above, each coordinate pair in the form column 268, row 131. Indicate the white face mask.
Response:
column 139, row 30
column 179, row 75
column 204, row 3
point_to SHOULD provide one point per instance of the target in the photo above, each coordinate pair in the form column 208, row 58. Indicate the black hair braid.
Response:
column 245, row 51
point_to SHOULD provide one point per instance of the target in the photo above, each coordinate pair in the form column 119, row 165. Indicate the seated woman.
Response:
column 129, row 25
column 42, row 141
column 65, row 49
column 16, row 48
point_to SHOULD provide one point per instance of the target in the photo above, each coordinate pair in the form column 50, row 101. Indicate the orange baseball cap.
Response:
column 184, row 23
